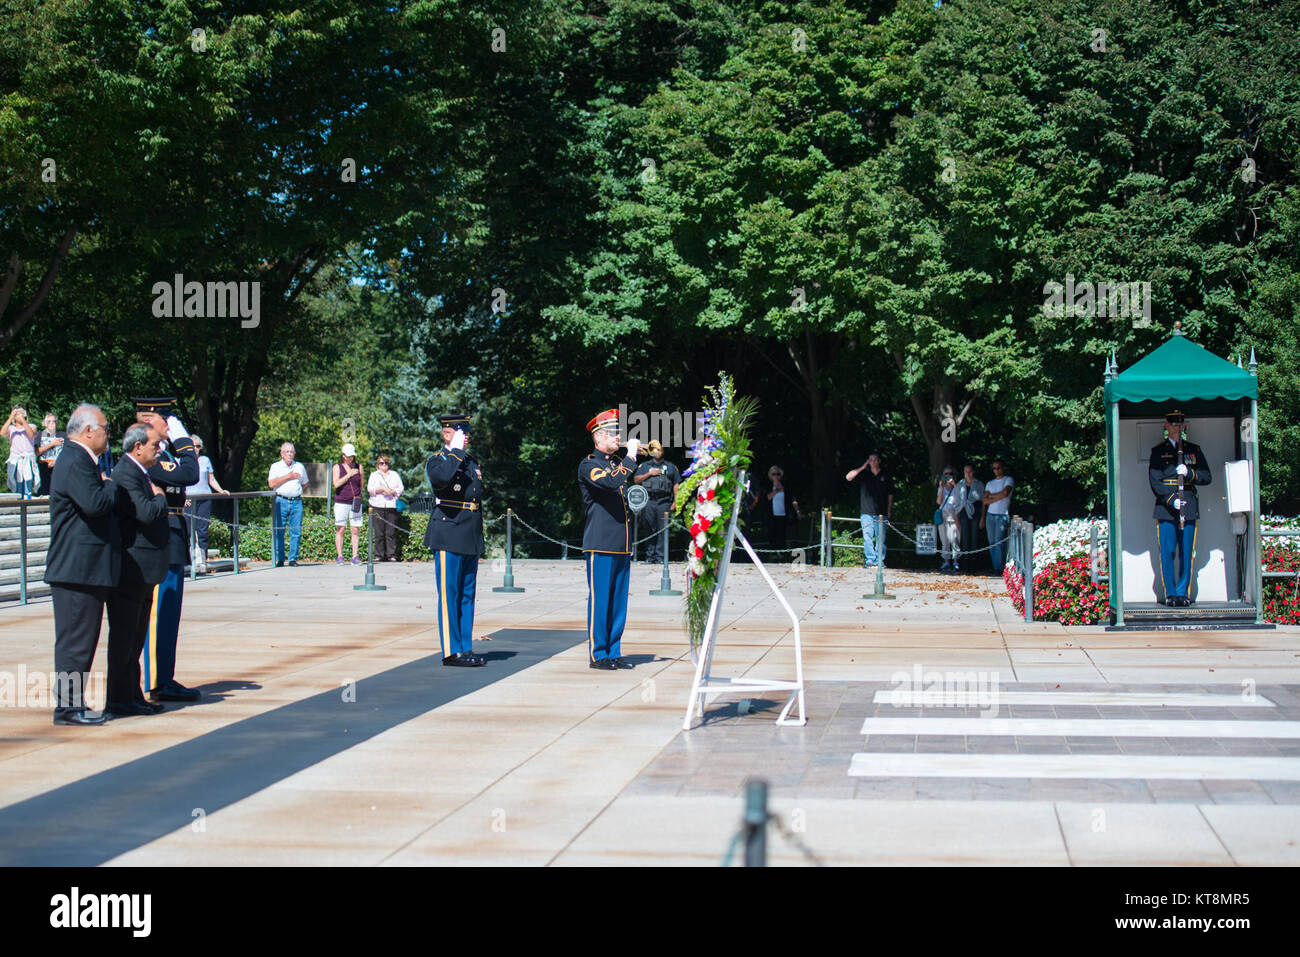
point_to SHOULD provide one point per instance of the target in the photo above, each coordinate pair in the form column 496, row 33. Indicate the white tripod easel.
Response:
column 706, row 686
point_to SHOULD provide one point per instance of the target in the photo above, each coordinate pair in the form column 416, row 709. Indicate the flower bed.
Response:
column 1064, row 592
column 1063, row 588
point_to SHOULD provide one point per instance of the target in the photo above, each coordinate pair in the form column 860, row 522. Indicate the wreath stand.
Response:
column 706, row 686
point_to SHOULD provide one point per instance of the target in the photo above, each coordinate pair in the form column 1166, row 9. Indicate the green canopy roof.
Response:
column 1180, row 370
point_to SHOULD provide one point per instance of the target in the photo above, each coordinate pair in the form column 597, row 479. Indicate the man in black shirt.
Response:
column 875, row 498
column 660, row 478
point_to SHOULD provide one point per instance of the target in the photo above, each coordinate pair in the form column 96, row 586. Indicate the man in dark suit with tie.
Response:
column 146, row 549
column 83, row 562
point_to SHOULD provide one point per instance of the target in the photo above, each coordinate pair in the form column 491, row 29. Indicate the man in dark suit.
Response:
column 455, row 536
column 83, row 562
column 146, row 543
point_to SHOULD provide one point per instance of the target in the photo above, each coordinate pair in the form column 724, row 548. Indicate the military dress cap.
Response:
column 1175, row 415
column 455, row 420
column 163, row 406
column 604, row 420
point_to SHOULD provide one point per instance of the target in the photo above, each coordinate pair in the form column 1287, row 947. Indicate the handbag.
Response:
column 400, row 505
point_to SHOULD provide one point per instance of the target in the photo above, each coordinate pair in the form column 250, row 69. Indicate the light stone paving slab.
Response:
column 1088, row 766
column 1125, row 835
column 911, row 697
column 1257, row 836
column 560, row 751
column 1092, row 727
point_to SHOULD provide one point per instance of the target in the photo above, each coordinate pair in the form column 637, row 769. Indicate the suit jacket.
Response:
column 456, row 522
column 85, row 541
column 1163, row 476
column 145, row 532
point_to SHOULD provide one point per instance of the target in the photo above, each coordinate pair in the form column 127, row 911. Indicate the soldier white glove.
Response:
column 1182, row 469
column 1178, row 503
column 174, row 428
column 633, row 447
column 458, row 440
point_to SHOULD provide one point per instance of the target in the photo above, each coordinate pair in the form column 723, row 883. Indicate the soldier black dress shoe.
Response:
column 129, row 709
column 294, row 563
column 174, row 691
column 80, row 718
column 461, row 659
column 604, row 664
column 622, row 663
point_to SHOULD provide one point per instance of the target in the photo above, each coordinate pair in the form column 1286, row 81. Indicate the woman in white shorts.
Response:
column 349, row 479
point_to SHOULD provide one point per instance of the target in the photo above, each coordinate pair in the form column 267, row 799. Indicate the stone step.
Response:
column 13, row 559
column 11, row 519
column 35, row 543
column 10, row 576
column 35, row 589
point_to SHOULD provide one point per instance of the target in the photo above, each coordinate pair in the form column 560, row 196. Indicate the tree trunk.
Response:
column 930, row 419
column 822, row 450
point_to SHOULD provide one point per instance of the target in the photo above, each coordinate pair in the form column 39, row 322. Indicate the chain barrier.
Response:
column 788, row 835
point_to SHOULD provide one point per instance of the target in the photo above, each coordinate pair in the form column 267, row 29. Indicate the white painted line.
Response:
column 1085, row 727
column 981, row 697
column 1094, row 766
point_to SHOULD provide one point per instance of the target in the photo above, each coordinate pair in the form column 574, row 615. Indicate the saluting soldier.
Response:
column 606, row 540
column 176, row 468
column 455, row 536
column 1176, row 468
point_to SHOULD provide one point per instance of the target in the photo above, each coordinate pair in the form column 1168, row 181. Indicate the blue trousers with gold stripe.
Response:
column 164, row 629
column 608, row 577
column 457, row 577
column 1183, row 543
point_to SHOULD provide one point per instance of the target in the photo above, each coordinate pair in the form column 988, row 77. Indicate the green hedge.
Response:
column 317, row 542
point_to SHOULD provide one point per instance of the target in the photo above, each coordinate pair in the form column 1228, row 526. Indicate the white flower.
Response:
column 701, row 539
column 695, row 566
column 709, row 510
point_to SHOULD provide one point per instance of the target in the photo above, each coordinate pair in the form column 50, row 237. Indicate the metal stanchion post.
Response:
column 755, row 827
column 234, row 535
column 370, row 558
column 564, row 552
column 665, row 580
column 194, row 542
column 22, row 552
column 1028, row 549
column 879, row 593
column 508, row 581
column 825, row 546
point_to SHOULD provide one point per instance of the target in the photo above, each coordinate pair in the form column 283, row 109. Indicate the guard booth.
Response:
column 1220, row 402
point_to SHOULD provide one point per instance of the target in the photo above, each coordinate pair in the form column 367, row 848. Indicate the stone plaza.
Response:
column 942, row 730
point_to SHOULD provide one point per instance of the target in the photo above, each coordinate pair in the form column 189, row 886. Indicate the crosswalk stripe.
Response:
column 1096, row 766
column 1084, row 727
column 981, row 698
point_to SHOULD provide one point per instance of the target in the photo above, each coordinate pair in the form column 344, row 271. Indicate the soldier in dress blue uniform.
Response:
column 606, row 540
column 455, row 536
column 1176, row 468
column 176, row 469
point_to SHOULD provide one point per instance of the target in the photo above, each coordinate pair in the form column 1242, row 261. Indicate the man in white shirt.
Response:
column 997, row 499
column 288, row 478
